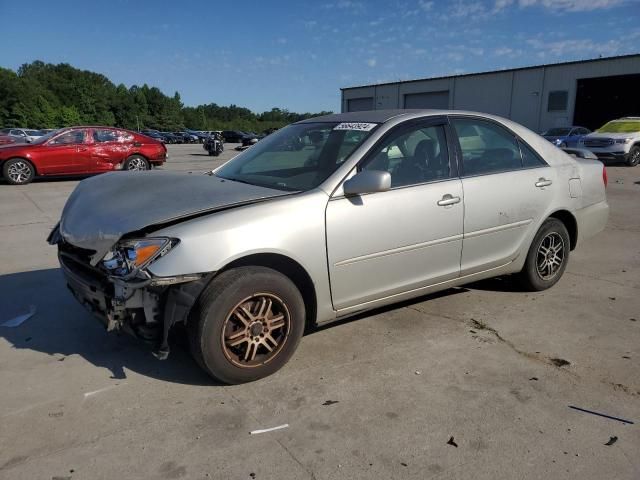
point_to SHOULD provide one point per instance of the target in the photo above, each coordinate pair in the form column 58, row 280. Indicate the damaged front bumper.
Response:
column 144, row 307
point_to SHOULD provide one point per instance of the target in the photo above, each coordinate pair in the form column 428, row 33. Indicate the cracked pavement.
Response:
column 378, row 396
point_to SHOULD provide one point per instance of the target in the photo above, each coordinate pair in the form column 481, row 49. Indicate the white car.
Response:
column 368, row 209
column 24, row 135
column 616, row 140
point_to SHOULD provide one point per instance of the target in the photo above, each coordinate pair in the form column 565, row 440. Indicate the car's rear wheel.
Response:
column 246, row 324
column 18, row 171
column 634, row 156
column 548, row 256
column 136, row 162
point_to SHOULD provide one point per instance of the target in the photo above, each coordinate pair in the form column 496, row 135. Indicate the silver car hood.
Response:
column 104, row 208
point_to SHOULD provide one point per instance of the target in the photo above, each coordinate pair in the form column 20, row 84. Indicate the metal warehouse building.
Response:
column 586, row 93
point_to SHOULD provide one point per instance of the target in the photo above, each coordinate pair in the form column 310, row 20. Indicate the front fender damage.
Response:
column 179, row 301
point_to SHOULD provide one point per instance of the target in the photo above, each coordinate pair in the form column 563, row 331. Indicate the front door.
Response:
column 507, row 190
column 387, row 243
column 60, row 155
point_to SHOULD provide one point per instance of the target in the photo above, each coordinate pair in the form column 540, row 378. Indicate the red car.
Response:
column 6, row 139
column 80, row 151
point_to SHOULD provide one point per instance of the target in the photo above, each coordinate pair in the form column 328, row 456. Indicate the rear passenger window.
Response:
column 529, row 158
column 101, row 136
column 486, row 147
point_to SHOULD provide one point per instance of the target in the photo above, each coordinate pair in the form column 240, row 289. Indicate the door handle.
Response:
column 543, row 182
column 83, row 149
column 448, row 200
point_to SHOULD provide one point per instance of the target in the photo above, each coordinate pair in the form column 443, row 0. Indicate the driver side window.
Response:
column 414, row 156
column 73, row 137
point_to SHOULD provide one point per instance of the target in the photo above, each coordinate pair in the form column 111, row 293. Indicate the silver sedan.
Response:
column 321, row 220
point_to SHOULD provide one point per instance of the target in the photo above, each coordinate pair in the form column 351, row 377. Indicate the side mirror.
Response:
column 368, row 181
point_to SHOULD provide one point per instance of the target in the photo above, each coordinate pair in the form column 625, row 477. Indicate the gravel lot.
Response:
column 376, row 397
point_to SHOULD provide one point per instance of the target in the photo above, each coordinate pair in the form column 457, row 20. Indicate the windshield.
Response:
column 556, row 132
column 46, row 137
column 620, row 126
column 299, row 157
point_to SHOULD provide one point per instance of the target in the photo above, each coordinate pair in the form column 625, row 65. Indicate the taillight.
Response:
column 605, row 179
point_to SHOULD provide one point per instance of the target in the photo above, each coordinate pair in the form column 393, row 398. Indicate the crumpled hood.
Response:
column 104, row 208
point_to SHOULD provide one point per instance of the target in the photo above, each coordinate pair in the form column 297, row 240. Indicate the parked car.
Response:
column 172, row 137
column 80, row 151
column 565, row 137
column 156, row 135
column 198, row 137
column 249, row 140
column 233, row 136
column 22, row 134
column 616, row 140
column 423, row 201
column 7, row 139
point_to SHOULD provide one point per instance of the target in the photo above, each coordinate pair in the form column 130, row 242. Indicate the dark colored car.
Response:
column 172, row 137
column 233, row 136
column 80, row 151
column 156, row 135
column 565, row 137
column 201, row 137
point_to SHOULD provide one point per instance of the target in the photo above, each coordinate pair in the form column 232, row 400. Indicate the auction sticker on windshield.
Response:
column 362, row 127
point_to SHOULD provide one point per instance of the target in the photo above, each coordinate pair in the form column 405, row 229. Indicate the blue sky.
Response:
column 297, row 54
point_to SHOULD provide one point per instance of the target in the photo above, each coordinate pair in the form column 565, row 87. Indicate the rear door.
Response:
column 507, row 189
column 386, row 243
column 107, row 148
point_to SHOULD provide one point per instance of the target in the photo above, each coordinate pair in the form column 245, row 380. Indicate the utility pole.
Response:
column 138, row 122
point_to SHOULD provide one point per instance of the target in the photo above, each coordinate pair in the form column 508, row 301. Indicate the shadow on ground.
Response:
column 61, row 327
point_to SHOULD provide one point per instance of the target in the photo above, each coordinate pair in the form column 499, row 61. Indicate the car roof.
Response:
column 382, row 116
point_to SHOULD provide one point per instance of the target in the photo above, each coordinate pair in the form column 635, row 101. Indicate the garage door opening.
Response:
column 359, row 104
column 427, row 100
column 601, row 99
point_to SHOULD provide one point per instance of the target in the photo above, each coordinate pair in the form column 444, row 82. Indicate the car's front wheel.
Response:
column 246, row 324
column 634, row 156
column 18, row 171
column 548, row 256
column 136, row 162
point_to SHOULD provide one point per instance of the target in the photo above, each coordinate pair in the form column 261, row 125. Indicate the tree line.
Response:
column 44, row 95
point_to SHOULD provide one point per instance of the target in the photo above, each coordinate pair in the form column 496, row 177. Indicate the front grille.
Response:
column 78, row 260
column 81, row 255
column 598, row 142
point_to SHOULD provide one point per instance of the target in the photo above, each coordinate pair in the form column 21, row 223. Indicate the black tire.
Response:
column 213, row 317
column 634, row 156
column 18, row 171
column 536, row 278
column 136, row 163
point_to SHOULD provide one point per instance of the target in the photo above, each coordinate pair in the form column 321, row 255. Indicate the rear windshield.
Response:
column 620, row 126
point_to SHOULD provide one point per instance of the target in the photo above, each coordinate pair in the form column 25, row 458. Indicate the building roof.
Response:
column 591, row 60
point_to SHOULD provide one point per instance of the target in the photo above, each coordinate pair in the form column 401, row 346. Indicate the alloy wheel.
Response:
column 550, row 256
column 136, row 163
column 255, row 330
column 19, row 172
